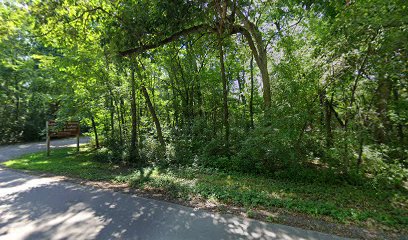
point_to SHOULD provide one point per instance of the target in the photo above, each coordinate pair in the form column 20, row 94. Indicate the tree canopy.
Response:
column 265, row 87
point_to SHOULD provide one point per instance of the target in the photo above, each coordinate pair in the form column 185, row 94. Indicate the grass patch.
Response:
column 340, row 203
column 67, row 162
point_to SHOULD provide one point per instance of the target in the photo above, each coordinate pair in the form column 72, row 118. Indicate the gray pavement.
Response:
column 14, row 150
column 33, row 207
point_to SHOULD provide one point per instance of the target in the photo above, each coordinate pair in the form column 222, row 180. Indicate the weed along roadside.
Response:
column 323, row 207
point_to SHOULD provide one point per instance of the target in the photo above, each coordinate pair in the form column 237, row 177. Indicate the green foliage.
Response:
column 181, row 152
column 267, row 150
column 338, row 111
column 23, row 95
column 114, row 151
column 387, row 170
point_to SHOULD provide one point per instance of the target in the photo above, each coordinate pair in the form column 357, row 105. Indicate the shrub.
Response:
column 180, row 152
column 386, row 171
column 266, row 150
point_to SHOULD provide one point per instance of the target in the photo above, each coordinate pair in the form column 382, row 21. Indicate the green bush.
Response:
column 180, row 152
column 103, row 155
column 112, row 152
column 386, row 171
column 266, row 150
column 151, row 151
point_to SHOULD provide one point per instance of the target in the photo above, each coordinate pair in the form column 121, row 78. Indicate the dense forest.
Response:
column 306, row 90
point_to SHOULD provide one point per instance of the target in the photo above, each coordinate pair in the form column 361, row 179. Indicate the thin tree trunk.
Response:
column 95, row 131
column 139, row 115
column 176, row 111
column 17, row 99
column 109, row 101
column 199, row 100
column 112, row 114
column 322, row 97
column 328, row 120
column 192, row 113
column 151, row 109
column 251, row 99
column 154, row 116
column 117, row 106
column 214, row 122
column 134, row 154
column 241, row 87
column 221, row 7
column 224, row 91
column 122, row 111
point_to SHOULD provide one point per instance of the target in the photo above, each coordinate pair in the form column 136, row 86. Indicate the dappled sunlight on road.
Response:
column 48, row 208
column 77, row 222
column 33, row 207
column 27, row 185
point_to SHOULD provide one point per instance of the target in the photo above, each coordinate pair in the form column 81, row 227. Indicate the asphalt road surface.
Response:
column 33, row 207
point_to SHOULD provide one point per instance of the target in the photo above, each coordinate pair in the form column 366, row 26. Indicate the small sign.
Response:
column 59, row 130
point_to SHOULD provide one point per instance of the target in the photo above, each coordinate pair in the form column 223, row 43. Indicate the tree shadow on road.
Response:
column 61, row 210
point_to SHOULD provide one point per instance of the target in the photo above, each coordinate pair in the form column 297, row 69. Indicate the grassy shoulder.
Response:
column 370, row 208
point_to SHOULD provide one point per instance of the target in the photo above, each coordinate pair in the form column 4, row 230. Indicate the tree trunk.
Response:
column 139, row 115
column 361, row 137
column 251, row 99
column 266, row 88
column 176, row 111
column 328, row 120
column 122, row 116
column 241, row 88
column 95, row 131
column 154, row 116
column 112, row 115
column 214, row 122
column 17, row 96
column 117, row 106
column 151, row 108
column 254, row 37
column 199, row 100
column 224, row 91
column 242, row 98
column 133, row 153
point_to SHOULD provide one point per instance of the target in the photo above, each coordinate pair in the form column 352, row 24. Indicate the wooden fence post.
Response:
column 77, row 136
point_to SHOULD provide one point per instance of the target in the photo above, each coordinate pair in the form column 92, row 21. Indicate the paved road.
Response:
column 11, row 151
column 33, row 207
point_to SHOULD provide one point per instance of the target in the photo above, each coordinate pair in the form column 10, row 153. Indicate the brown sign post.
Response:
column 69, row 129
